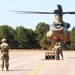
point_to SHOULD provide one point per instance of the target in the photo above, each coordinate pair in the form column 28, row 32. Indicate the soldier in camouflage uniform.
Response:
column 56, row 50
column 60, row 50
column 4, row 54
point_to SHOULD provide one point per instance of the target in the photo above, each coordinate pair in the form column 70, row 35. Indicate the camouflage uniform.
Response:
column 60, row 50
column 56, row 50
column 4, row 55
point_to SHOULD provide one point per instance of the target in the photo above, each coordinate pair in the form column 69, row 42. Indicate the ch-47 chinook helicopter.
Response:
column 58, row 29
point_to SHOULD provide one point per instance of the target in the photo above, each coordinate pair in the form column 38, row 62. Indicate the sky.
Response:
column 31, row 20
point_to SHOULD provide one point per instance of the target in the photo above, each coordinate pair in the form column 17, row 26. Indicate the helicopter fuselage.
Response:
column 58, row 33
column 59, row 36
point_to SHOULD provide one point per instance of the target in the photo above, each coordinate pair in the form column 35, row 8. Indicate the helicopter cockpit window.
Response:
column 61, row 24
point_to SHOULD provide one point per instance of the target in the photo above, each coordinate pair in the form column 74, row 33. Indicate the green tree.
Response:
column 32, row 41
column 73, row 38
column 8, row 33
column 41, row 30
column 21, row 37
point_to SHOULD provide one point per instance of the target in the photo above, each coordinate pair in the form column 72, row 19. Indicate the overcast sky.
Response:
column 31, row 20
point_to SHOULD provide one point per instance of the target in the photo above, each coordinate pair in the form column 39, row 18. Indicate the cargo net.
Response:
column 49, row 56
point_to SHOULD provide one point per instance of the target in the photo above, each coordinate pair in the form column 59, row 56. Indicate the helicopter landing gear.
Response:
column 69, row 42
column 48, row 42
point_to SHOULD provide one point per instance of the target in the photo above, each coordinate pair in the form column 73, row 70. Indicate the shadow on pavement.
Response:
column 20, row 70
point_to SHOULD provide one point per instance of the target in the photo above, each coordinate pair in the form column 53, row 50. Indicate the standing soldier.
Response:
column 56, row 50
column 60, row 50
column 4, row 54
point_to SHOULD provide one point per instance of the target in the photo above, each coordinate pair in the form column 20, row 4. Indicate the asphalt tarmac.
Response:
column 34, row 63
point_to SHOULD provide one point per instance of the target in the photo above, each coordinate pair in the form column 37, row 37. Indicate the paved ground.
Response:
column 34, row 63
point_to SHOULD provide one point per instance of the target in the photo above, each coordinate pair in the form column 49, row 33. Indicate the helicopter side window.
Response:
column 53, row 24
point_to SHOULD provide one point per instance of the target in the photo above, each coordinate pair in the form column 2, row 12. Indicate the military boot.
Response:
column 2, row 69
column 7, row 69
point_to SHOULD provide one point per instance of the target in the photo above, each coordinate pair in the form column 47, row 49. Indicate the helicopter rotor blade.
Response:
column 31, row 12
column 36, row 12
column 73, row 12
column 60, row 8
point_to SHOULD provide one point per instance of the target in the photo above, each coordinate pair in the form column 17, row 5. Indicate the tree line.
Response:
column 24, row 38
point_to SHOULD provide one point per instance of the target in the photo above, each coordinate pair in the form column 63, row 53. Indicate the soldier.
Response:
column 56, row 50
column 4, row 54
column 60, row 50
